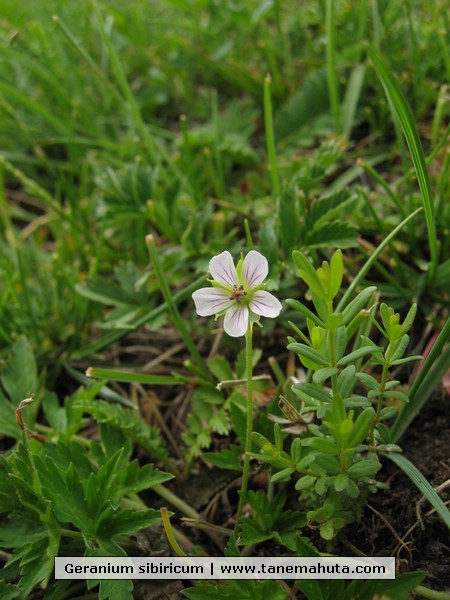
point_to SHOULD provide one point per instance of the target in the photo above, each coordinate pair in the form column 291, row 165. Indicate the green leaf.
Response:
column 398, row 589
column 65, row 491
column 309, row 353
column 341, row 482
column 132, row 377
column 308, row 273
column 111, row 523
column 370, row 382
column 323, row 374
column 299, row 307
column 327, row 446
column 431, row 373
column 358, row 303
column 8, row 422
column 309, row 391
column 226, row 459
column 8, row 591
column 283, row 475
column 422, row 483
column 336, row 273
column 137, row 479
column 411, row 134
column 220, row 368
column 289, row 219
column 346, row 381
column 19, row 376
column 116, row 589
column 357, row 354
column 340, row 234
column 129, row 422
column 364, row 468
column 361, row 427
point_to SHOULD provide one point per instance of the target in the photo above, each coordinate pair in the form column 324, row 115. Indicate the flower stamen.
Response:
column 238, row 293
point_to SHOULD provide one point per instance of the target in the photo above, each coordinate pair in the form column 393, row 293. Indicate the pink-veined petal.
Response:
column 254, row 269
column 265, row 304
column 223, row 270
column 236, row 321
column 210, row 301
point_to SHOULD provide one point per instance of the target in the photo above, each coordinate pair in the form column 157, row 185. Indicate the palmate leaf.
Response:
column 20, row 381
column 309, row 101
column 398, row 589
column 136, row 478
column 9, row 591
column 65, row 490
column 324, row 210
column 337, row 234
column 112, row 523
column 36, row 564
column 131, row 424
column 289, row 220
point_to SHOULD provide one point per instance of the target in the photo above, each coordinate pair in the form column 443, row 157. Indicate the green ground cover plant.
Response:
column 146, row 147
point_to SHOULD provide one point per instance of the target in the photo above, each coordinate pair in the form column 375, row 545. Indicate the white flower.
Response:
column 237, row 291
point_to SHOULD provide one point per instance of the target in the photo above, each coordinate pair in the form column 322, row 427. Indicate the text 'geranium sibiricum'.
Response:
column 237, row 292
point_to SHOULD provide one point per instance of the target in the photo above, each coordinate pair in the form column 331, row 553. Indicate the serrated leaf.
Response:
column 339, row 234
column 241, row 362
column 289, row 219
column 8, row 591
column 136, row 479
column 111, row 523
column 220, row 368
column 8, row 422
column 116, row 589
column 226, row 459
column 65, row 491
column 132, row 425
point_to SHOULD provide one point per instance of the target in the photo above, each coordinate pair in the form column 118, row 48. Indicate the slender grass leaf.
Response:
column 409, row 128
column 431, row 373
column 422, row 483
column 130, row 377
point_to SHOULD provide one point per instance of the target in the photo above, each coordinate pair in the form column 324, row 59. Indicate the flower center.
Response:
column 237, row 293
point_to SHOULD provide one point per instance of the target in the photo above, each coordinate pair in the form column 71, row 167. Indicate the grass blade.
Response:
column 178, row 321
column 130, row 377
column 411, row 134
column 362, row 272
column 422, row 483
column 333, row 87
column 430, row 375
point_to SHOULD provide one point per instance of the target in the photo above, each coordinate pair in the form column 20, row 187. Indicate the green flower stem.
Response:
column 424, row 592
column 384, row 375
column 248, row 433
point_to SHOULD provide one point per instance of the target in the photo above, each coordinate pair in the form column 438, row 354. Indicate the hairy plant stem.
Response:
column 248, row 433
